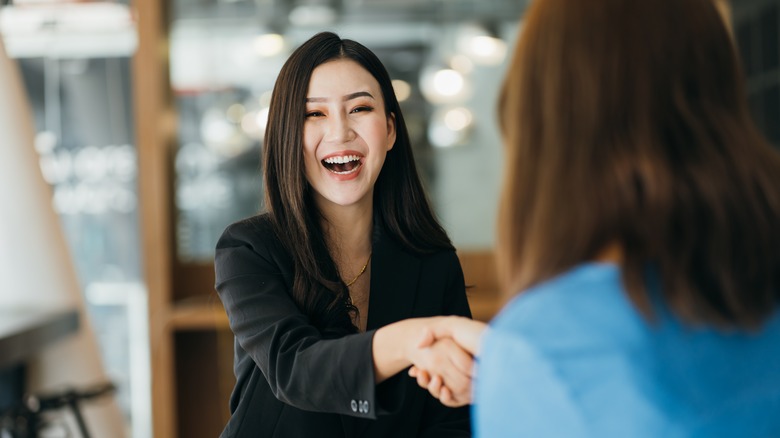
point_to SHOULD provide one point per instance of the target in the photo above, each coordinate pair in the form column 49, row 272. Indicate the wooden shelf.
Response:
column 198, row 314
column 479, row 270
column 208, row 313
column 484, row 305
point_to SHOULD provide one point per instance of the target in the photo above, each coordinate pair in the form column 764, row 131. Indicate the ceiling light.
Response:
column 269, row 44
column 450, row 127
column 262, row 118
column 235, row 112
column 487, row 50
column 482, row 46
column 458, row 119
column 443, row 85
column 69, row 30
column 402, row 90
column 312, row 15
column 448, row 82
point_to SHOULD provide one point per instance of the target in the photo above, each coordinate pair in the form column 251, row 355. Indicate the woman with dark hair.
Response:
column 329, row 292
column 640, row 221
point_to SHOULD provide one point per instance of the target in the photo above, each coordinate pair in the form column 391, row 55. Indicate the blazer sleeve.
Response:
column 439, row 420
column 302, row 369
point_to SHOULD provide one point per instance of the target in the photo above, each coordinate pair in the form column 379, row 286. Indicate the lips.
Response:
column 343, row 163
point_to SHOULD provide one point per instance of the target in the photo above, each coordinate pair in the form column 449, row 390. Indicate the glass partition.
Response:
column 446, row 58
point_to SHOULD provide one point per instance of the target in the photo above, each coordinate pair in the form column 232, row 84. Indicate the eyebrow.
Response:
column 349, row 96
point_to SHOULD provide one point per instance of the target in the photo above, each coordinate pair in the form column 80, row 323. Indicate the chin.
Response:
column 344, row 201
column 347, row 202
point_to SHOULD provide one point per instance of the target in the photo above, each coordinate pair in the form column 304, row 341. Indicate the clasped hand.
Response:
column 443, row 362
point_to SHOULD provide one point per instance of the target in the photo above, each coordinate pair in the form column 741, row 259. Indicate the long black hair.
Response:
column 400, row 203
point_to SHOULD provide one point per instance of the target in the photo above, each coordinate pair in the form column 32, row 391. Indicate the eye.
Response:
column 361, row 109
column 314, row 114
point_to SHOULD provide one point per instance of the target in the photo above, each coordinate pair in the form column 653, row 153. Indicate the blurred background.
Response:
column 150, row 117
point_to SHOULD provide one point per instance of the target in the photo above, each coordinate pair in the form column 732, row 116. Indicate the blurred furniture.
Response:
column 24, row 333
column 482, row 286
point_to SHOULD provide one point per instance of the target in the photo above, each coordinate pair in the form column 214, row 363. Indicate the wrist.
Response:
column 393, row 348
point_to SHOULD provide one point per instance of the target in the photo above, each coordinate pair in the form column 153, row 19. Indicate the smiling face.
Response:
column 346, row 134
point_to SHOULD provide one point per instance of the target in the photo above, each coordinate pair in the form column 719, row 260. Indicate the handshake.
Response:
column 442, row 356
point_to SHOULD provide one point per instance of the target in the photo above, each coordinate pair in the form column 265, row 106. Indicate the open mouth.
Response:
column 342, row 165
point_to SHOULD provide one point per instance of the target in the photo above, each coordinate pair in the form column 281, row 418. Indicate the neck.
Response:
column 348, row 229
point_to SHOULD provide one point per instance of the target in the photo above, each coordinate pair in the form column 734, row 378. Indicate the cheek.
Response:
column 310, row 163
column 310, row 139
column 310, row 143
column 378, row 133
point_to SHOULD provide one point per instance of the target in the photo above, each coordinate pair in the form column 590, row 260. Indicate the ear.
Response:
column 391, row 131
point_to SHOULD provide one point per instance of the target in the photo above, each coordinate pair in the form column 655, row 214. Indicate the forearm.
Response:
column 394, row 344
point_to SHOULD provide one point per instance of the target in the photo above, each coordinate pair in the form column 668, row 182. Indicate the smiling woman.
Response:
column 347, row 134
column 331, row 291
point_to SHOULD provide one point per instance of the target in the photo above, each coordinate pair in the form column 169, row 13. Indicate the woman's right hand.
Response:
column 456, row 339
column 447, row 371
column 441, row 346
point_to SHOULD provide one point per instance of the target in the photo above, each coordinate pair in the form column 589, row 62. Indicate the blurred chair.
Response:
column 35, row 266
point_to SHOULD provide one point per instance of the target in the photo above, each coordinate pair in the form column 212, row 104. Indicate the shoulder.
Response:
column 444, row 258
column 249, row 245
column 255, row 230
column 437, row 260
column 255, row 233
column 586, row 304
column 568, row 345
column 442, row 267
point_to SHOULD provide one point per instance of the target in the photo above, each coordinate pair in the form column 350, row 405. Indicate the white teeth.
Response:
column 346, row 171
column 342, row 159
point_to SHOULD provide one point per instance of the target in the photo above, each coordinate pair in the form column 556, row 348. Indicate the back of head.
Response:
column 626, row 123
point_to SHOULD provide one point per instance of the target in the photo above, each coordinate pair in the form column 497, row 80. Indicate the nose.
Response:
column 339, row 129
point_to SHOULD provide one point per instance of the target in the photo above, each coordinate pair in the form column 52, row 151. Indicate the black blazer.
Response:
column 293, row 383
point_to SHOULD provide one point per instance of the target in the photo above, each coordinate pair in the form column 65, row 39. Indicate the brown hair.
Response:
column 400, row 203
column 626, row 123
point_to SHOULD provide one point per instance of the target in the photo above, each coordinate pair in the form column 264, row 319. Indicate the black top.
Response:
column 293, row 383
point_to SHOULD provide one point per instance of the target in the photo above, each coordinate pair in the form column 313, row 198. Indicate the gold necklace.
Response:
column 362, row 270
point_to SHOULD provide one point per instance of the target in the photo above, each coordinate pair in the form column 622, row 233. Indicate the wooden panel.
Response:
column 150, row 100
column 483, row 290
column 479, row 268
column 199, row 314
column 193, row 280
column 204, row 381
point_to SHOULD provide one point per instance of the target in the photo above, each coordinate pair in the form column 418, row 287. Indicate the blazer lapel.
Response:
column 394, row 278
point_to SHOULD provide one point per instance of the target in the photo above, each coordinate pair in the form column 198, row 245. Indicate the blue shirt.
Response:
column 572, row 357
